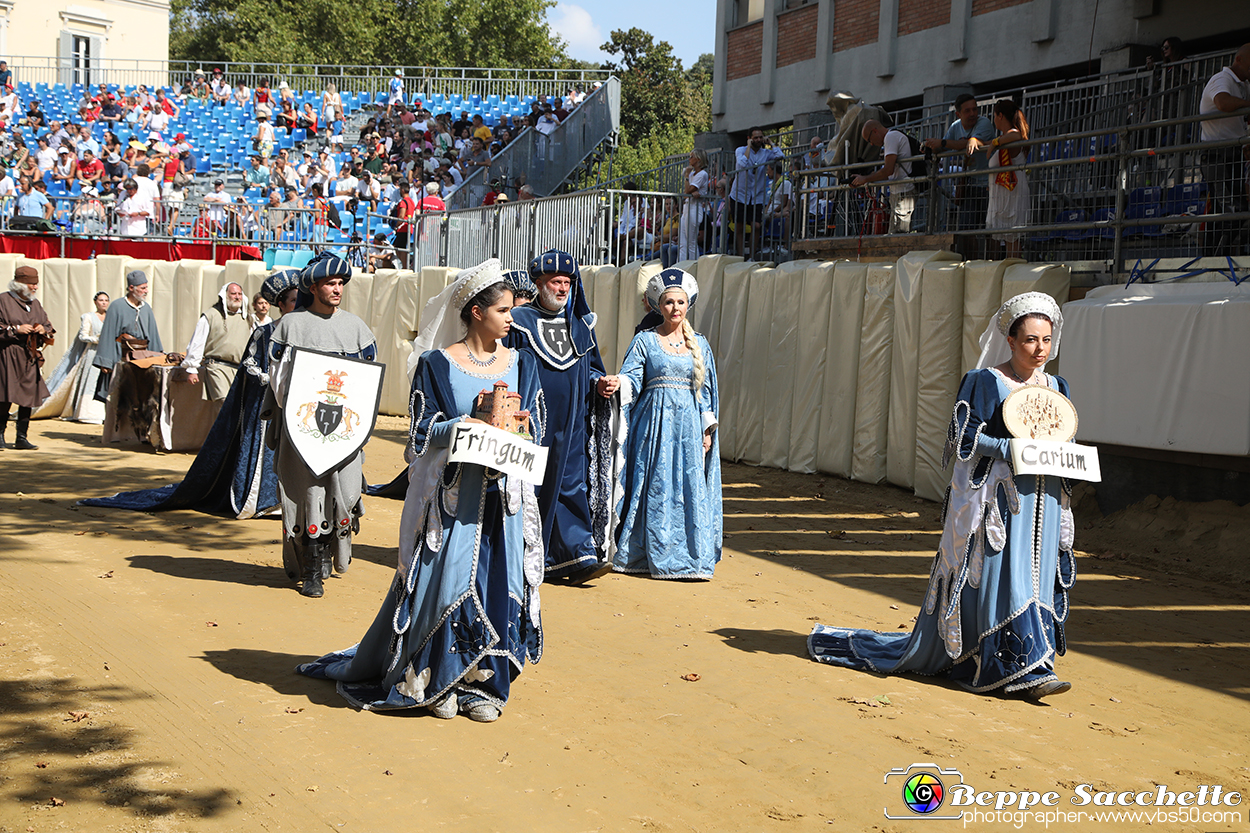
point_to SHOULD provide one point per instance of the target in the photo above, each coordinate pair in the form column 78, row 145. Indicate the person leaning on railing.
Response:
column 1224, row 168
column 694, row 206
column 968, row 194
column 895, row 147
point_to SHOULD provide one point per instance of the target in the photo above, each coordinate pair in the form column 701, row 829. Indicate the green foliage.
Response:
column 446, row 33
column 662, row 106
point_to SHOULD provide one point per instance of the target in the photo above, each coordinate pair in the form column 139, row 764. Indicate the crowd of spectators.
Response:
column 407, row 160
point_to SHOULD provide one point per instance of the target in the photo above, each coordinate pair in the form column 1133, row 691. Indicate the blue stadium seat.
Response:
column 1186, row 198
column 1143, row 204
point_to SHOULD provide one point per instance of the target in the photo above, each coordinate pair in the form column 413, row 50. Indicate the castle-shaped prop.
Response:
column 502, row 409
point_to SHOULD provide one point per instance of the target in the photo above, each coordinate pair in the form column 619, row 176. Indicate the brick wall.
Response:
column 744, row 48
column 918, row 15
column 796, row 36
column 987, row 6
column 855, row 23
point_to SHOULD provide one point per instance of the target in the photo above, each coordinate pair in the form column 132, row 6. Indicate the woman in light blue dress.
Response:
column 462, row 615
column 993, row 617
column 671, row 517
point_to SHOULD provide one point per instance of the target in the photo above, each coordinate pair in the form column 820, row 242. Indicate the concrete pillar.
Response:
column 768, row 51
column 824, row 44
column 724, row 12
column 887, row 38
column 961, row 16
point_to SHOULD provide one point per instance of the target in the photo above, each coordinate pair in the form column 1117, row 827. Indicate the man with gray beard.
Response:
column 24, row 329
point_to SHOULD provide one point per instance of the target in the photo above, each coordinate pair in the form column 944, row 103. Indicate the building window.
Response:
column 748, row 11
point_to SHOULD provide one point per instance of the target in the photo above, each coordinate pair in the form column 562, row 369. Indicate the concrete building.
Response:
column 63, row 41
column 779, row 58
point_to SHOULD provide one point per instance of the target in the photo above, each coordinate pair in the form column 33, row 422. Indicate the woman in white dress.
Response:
column 1009, row 190
column 694, row 208
column 72, row 383
column 331, row 108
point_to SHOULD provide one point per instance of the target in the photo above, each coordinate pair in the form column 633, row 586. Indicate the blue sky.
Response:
column 689, row 25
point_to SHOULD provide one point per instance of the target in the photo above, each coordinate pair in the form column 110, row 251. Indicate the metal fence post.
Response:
column 1121, row 198
column 444, row 233
column 494, row 231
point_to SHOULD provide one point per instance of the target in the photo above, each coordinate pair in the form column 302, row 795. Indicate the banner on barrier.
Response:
column 1076, row 462
column 485, row 445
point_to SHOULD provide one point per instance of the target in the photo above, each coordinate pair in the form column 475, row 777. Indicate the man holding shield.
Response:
column 575, row 498
column 320, row 510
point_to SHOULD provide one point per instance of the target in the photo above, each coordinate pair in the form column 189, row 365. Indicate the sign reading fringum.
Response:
column 493, row 448
column 1076, row 462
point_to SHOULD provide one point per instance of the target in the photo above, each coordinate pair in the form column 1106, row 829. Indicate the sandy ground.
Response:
column 146, row 678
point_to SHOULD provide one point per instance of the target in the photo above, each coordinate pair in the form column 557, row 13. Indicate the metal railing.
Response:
column 543, row 161
column 1097, row 195
column 465, row 82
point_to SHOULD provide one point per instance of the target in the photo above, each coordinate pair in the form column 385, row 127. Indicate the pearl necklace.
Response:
column 476, row 360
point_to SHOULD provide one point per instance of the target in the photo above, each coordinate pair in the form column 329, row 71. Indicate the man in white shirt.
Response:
column 1224, row 168
column 157, row 123
column 894, row 147
column 345, row 186
column 134, row 211
column 367, row 190
column 8, row 188
column 217, row 202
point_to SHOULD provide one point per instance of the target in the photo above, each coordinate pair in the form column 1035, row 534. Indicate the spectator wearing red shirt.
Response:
column 90, row 169
column 496, row 188
column 405, row 209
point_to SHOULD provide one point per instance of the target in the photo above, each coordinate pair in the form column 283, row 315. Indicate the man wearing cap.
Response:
column 129, row 319
column 575, row 498
column 22, row 321
column 217, row 345
column 319, row 514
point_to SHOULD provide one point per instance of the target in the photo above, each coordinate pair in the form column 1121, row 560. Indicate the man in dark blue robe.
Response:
column 575, row 497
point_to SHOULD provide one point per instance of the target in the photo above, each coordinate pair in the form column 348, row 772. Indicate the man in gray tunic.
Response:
column 217, row 345
column 129, row 318
column 319, row 514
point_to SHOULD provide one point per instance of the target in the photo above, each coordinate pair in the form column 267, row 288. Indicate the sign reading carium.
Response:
column 1076, row 462
column 331, row 406
column 487, row 446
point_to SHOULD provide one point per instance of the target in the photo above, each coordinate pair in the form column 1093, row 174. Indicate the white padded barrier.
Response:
column 938, row 372
column 901, row 437
column 841, row 382
column 872, row 390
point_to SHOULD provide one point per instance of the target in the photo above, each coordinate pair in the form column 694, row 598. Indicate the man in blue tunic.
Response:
column 575, row 498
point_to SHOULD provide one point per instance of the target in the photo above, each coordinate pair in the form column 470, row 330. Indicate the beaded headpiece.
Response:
column 671, row 279
column 278, row 283
column 994, row 347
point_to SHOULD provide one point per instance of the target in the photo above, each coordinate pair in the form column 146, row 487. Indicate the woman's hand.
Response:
column 707, row 441
column 608, row 385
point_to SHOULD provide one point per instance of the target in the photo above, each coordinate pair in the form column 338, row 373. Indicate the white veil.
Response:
column 994, row 347
column 440, row 320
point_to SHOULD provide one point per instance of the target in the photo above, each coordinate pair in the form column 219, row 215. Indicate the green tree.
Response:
column 653, row 88
column 467, row 33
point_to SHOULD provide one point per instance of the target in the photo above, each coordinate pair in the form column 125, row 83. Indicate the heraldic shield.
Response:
column 331, row 406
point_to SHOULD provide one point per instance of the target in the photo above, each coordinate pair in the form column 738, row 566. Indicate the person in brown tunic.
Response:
column 22, row 324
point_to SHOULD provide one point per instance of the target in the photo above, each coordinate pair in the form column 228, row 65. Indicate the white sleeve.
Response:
column 84, row 329
column 195, row 350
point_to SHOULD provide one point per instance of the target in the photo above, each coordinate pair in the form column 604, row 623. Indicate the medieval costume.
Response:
column 671, row 514
column 462, row 615
column 233, row 473
column 217, row 345
column 73, row 382
column 319, row 514
column 522, row 286
column 993, row 616
column 20, row 356
column 576, row 494
column 125, row 318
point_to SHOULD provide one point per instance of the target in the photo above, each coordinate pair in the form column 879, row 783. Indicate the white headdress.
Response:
column 671, row 278
column 441, row 325
column 225, row 301
column 994, row 347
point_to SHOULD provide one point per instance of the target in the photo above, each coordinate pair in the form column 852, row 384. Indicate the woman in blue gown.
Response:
column 993, row 617
column 671, row 516
column 462, row 615
column 233, row 472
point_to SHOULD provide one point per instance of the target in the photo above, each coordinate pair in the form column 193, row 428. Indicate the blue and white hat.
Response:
column 518, row 280
column 279, row 282
column 671, row 279
column 555, row 262
column 325, row 265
